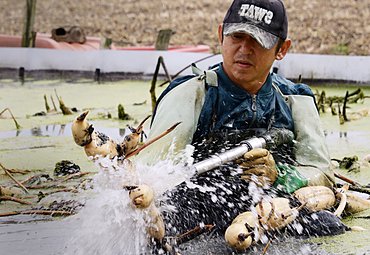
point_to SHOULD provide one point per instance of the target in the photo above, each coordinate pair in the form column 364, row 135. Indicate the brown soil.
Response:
column 316, row 26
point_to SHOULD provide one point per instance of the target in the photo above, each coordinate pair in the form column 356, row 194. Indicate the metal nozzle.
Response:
column 230, row 155
column 272, row 139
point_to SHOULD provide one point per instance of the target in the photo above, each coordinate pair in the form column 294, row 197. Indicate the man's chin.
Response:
column 243, row 75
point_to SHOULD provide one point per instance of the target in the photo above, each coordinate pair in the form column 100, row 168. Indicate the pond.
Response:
column 43, row 141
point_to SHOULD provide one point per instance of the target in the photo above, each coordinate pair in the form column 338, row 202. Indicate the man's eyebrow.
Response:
column 238, row 33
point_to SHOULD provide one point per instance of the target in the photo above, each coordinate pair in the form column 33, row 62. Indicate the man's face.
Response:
column 245, row 61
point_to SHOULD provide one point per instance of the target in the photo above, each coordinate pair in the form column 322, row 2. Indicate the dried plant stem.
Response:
column 361, row 189
column 15, row 180
column 135, row 152
column 56, row 184
column 14, row 199
column 143, row 121
column 346, row 179
column 42, row 212
column 73, row 190
column 19, row 171
column 15, row 121
column 30, row 178
column 71, row 176
column 193, row 233
column 52, row 186
column 266, row 247
column 52, row 101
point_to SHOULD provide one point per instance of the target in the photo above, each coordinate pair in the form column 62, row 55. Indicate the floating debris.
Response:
column 66, row 167
column 42, row 113
column 122, row 115
column 142, row 103
column 349, row 163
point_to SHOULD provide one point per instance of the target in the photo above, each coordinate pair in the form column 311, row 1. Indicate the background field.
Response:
column 316, row 26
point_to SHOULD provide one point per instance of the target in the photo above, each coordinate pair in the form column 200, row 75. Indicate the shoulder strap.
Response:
column 208, row 113
column 276, row 87
column 285, row 97
column 209, row 76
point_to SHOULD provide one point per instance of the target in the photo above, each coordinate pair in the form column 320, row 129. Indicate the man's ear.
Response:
column 283, row 49
column 220, row 34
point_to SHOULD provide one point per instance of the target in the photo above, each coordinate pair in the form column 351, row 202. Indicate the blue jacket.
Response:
column 225, row 115
column 229, row 107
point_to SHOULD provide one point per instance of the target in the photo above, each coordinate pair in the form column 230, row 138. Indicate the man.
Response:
column 235, row 100
column 242, row 96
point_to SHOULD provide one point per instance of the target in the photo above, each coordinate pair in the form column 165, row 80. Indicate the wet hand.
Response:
column 258, row 166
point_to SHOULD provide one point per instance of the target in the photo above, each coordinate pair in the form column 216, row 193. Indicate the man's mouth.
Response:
column 243, row 63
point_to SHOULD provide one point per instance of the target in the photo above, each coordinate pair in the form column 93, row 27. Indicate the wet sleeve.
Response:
column 182, row 104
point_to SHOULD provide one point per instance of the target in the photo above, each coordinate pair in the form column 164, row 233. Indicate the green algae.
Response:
column 41, row 152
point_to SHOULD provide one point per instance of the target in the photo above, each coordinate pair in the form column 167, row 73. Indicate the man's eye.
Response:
column 236, row 36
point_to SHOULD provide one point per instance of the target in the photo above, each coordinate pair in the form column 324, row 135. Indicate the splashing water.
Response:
column 108, row 223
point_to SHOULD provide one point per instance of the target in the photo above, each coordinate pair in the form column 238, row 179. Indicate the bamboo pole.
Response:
column 28, row 34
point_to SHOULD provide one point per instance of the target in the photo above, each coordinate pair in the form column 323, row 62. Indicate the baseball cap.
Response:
column 265, row 20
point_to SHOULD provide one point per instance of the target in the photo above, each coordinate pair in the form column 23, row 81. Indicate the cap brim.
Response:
column 265, row 39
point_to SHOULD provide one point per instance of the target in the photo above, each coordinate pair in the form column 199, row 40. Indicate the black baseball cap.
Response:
column 265, row 20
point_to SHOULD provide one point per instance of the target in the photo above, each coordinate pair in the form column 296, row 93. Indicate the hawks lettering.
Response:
column 256, row 13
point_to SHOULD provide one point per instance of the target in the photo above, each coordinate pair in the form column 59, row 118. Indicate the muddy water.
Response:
column 48, row 138
column 347, row 140
column 45, row 140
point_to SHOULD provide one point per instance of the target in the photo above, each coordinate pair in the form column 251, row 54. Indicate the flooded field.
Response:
column 42, row 141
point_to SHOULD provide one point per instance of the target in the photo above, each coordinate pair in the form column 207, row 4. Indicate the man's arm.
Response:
column 182, row 104
column 311, row 150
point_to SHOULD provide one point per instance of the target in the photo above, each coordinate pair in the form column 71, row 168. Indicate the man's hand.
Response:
column 258, row 165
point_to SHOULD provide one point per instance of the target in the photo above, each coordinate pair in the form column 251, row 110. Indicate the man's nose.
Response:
column 246, row 45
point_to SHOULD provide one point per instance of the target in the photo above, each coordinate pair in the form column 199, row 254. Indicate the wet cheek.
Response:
column 227, row 57
column 229, row 54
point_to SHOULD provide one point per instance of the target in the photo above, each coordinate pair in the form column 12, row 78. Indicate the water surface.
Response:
column 44, row 140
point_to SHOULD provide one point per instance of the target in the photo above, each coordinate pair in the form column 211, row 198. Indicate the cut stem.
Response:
column 135, row 152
